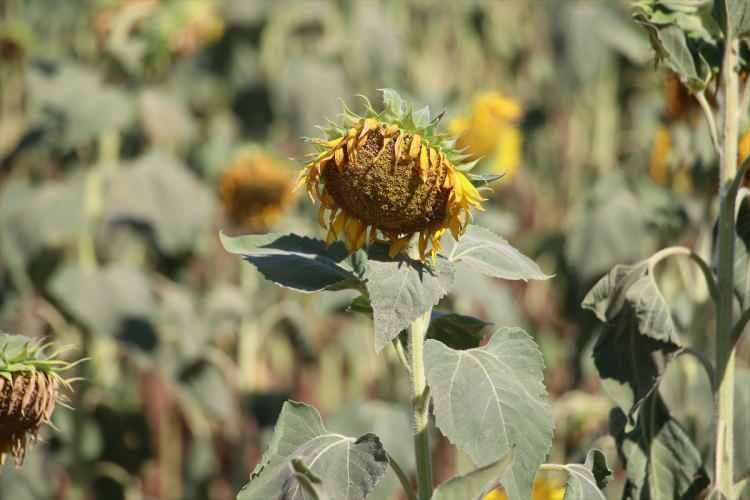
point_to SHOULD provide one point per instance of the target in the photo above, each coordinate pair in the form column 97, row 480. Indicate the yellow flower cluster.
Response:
column 491, row 131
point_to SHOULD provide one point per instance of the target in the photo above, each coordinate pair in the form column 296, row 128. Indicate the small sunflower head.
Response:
column 389, row 177
column 30, row 389
column 256, row 190
column 491, row 131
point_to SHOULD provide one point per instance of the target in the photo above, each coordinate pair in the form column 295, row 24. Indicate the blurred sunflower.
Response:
column 744, row 147
column 544, row 489
column 30, row 384
column 256, row 190
column 387, row 177
column 491, row 131
column 679, row 107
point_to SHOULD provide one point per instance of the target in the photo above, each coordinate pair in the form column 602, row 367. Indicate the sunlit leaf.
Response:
column 490, row 400
column 475, row 483
column 401, row 290
column 482, row 251
column 348, row 468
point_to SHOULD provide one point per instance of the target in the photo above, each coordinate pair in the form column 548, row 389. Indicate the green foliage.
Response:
column 476, row 483
column 505, row 376
column 346, row 467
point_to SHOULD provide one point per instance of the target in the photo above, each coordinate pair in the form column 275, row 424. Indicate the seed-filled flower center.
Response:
column 388, row 194
column 383, row 179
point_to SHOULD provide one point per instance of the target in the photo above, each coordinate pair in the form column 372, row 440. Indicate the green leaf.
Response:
column 456, row 330
column 491, row 399
column 154, row 191
column 103, row 301
column 57, row 104
column 348, row 468
column 476, row 483
column 481, row 180
column 634, row 287
column 661, row 460
column 628, row 363
column 401, row 290
column 733, row 14
column 296, row 262
column 586, row 481
column 485, row 252
column 390, row 422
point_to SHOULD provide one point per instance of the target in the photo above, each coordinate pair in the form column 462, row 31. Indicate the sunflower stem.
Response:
column 421, row 405
column 725, row 354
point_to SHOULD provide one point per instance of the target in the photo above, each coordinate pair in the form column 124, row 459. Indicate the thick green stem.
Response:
column 421, row 405
column 725, row 359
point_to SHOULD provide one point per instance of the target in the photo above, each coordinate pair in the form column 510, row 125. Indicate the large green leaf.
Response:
column 72, row 101
column 348, row 468
column 295, row 262
column 390, row 422
column 159, row 192
column 401, row 290
column 103, row 301
column 585, row 481
column 485, row 252
column 476, row 483
column 733, row 14
column 634, row 288
column 491, row 399
column 661, row 460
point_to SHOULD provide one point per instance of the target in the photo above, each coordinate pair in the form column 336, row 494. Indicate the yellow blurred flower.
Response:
column 744, row 148
column 659, row 167
column 544, row 489
column 491, row 131
column 256, row 190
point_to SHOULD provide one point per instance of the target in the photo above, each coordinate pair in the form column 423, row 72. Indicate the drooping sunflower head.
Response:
column 30, row 388
column 256, row 190
column 390, row 177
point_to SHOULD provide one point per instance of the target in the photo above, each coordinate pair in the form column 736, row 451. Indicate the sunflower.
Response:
column 388, row 177
column 491, row 131
column 256, row 190
column 544, row 489
column 30, row 386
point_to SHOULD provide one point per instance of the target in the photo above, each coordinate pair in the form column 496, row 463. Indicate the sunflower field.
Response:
column 374, row 249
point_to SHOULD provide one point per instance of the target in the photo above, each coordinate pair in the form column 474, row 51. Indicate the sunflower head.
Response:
column 256, row 190
column 389, row 176
column 30, row 385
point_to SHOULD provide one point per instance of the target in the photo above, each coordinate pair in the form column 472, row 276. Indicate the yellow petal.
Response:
column 398, row 246
column 370, row 124
column 434, row 157
column 424, row 164
column 390, row 130
column 321, row 216
column 339, row 223
column 416, row 142
column 423, row 245
column 354, row 234
column 454, row 224
column 398, row 147
column 339, row 157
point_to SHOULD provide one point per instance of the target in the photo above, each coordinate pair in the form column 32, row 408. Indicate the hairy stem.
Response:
column 421, row 405
column 725, row 359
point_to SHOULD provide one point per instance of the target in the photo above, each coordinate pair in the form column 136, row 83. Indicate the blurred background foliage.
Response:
column 132, row 131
